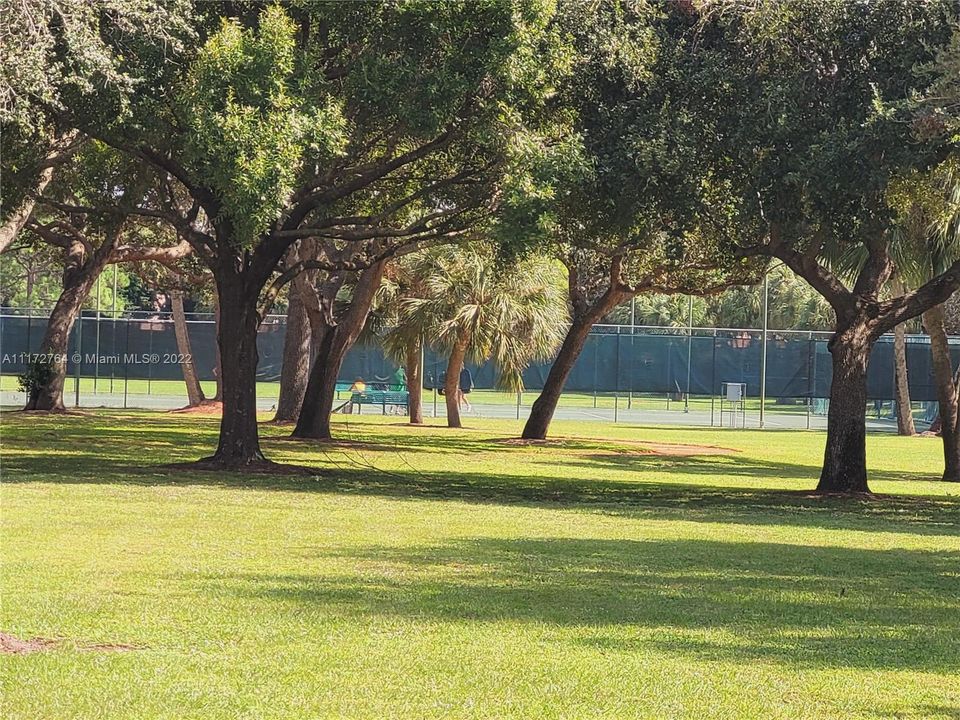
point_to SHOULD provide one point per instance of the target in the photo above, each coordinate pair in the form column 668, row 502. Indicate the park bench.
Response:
column 342, row 387
column 383, row 398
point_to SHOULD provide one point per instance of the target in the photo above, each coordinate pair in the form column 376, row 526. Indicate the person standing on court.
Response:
column 466, row 385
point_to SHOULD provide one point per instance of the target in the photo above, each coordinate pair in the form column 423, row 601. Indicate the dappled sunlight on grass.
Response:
column 424, row 568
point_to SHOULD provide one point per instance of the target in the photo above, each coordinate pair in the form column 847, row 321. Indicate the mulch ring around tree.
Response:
column 12, row 645
column 208, row 408
column 642, row 447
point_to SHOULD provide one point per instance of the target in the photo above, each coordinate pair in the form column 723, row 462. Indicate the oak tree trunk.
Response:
column 314, row 420
column 295, row 371
column 546, row 404
column 414, row 370
column 315, row 415
column 237, row 338
column 845, row 456
column 933, row 321
column 195, row 395
column 78, row 282
column 905, row 424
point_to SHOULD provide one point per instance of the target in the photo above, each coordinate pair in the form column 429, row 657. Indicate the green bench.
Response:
column 342, row 388
column 383, row 398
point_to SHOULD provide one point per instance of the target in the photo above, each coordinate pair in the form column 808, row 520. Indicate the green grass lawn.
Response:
column 429, row 573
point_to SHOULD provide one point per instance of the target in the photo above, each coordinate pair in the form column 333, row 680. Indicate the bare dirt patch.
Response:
column 208, row 408
column 12, row 645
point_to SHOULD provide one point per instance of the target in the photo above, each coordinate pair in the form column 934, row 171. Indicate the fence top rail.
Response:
column 139, row 315
column 600, row 329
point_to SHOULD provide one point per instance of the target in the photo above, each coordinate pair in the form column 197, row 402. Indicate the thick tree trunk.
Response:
column 296, row 359
column 314, row 420
column 451, row 383
column 845, row 456
column 218, row 367
column 237, row 337
column 414, row 370
column 905, row 424
column 933, row 321
column 546, row 404
column 194, row 391
column 53, row 350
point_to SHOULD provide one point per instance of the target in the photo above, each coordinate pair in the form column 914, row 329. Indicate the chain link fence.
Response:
column 624, row 373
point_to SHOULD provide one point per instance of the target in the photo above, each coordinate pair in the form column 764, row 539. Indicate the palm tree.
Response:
column 927, row 242
column 476, row 309
column 402, row 341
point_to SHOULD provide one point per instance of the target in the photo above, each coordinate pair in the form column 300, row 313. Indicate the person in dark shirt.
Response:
column 466, row 385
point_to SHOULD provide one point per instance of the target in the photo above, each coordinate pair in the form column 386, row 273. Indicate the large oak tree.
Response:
column 355, row 122
column 807, row 112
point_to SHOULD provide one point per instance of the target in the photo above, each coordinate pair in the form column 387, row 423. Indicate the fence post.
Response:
column 150, row 355
column 713, row 379
column 633, row 331
column 813, row 371
column 126, row 364
column 616, row 392
column 811, row 356
column 113, row 309
column 763, row 348
column 519, row 398
column 96, row 358
column 686, row 399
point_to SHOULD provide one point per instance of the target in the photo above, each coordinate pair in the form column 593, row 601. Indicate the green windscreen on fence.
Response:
column 614, row 359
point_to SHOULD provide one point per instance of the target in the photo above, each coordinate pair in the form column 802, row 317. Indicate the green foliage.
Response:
column 940, row 106
column 925, row 239
column 792, row 305
column 803, row 110
column 629, row 182
column 33, row 278
column 49, row 48
column 249, row 128
column 511, row 314
column 38, row 375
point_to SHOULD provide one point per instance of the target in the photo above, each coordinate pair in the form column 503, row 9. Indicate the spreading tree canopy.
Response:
column 370, row 124
column 807, row 112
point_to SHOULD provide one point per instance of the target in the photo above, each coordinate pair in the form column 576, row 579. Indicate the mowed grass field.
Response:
column 431, row 573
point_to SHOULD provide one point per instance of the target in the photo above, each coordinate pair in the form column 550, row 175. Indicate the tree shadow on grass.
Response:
column 633, row 484
column 733, row 465
column 709, row 600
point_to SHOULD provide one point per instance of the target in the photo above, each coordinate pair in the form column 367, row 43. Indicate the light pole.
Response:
column 113, row 308
column 686, row 398
column 763, row 346
column 633, row 330
column 96, row 364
